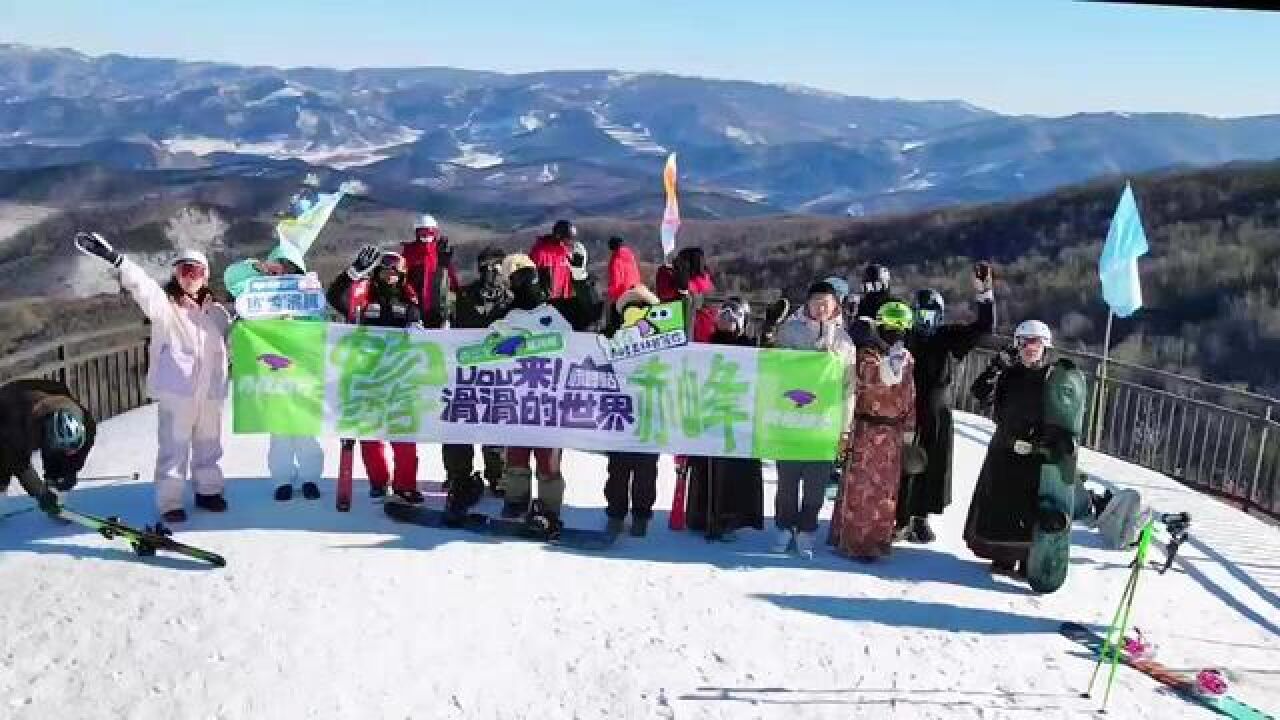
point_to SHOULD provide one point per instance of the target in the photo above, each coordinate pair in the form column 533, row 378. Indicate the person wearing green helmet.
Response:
column 884, row 423
column 41, row 415
column 818, row 326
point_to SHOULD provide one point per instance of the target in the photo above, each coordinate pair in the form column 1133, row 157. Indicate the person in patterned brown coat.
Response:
column 884, row 421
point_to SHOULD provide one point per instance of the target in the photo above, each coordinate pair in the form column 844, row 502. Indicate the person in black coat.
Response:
column 477, row 306
column 936, row 349
column 632, row 484
column 876, row 291
column 38, row 414
column 732, row 487
column 1005, row 499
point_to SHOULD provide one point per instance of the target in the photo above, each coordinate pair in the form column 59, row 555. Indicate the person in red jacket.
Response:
column 551, row 255
column 430, row 270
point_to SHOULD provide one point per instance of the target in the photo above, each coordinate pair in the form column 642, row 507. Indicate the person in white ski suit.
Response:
column 187, row 376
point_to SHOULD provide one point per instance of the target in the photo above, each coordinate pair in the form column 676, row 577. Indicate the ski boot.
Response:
column 639, row 526
column 919, row 531
column 541, row 523
column 613, row 526
column 310, row 490
column 284, row 493
column 213, row 503
column 377, row 492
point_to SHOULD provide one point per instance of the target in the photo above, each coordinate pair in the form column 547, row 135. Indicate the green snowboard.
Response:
column 1065, row 394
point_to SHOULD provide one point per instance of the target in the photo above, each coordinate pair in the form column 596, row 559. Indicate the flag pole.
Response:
column 1100, row 395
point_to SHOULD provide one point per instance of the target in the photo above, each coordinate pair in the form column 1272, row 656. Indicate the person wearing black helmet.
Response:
column 38, row 414
column 937, row 347
column 477, row 306
column 876, row 291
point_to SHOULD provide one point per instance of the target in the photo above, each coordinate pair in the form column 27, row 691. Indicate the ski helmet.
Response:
column 875, row 278
column 894, row 315
column 426, row 229
column 563, row 229
column 929, row 310
column 64, row 430
column 840, row 285
column 393, row 260
column 194, row 257
column 735, row 310
column 1033, row 329
column 490, row 255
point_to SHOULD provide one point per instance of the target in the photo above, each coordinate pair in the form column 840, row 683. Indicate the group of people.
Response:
column 894, row 459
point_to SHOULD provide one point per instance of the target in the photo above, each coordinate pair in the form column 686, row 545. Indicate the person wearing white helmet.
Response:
column 429, row 270
column 187, row 376
column 1005, row 500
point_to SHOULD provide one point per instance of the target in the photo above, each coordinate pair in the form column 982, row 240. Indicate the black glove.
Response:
column 97, row 246
column 776, row 311
column 444, row 252
column 48, row 501
column 1059, row 444
column 984, row 278
column 364, row 263
column 1005, row 359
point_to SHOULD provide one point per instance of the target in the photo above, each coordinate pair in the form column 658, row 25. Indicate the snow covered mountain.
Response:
column 582, row 138
column 327, row 615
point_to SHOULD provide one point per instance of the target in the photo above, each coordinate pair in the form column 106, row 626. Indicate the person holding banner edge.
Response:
column 372, row 292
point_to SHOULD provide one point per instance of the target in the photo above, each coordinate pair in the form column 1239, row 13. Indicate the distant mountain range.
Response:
column 517, row 148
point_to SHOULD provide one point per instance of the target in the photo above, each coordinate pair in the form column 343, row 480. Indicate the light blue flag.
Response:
column 1118, row 266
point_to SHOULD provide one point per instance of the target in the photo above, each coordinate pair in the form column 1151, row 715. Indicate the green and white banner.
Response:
column 570, row 390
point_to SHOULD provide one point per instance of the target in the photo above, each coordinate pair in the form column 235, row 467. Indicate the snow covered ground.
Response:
column 325, row 615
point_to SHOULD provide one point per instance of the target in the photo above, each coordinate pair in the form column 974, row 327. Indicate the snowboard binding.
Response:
column 541, row 524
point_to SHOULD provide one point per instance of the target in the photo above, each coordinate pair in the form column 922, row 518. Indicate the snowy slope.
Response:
column 322, row 615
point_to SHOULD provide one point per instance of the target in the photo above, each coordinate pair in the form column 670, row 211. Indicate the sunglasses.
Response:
column 192, row 270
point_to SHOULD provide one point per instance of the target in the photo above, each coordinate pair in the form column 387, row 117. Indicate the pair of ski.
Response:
column 516, row 529
column 1180, row 684
column 145, row 542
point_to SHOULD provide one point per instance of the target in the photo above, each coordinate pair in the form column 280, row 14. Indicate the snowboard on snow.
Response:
column 1049, row 557
column 518, row 529
column 144, row 542
column 1184, row 686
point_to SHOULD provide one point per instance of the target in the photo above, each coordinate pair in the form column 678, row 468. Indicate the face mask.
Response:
column 927, row 320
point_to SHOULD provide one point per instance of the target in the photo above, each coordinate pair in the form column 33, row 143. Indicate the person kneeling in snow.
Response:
column 38, row 414
column 187, row 376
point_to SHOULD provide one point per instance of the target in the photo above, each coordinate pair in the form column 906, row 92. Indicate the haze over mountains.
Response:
column 518, row 148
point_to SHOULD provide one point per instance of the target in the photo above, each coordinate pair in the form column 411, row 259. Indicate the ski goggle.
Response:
column 426, row 234
column 733, row 313
column 1027, row 340
column 392, row 261
column 190, row 270
column 927, row 318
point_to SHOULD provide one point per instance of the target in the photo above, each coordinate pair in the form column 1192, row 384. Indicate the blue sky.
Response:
column 1048, row 57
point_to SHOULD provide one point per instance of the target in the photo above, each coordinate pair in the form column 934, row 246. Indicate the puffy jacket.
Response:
column 427, row 278
column 800, row 332
column 551, row 257
column 24, row 404
column 188, row 341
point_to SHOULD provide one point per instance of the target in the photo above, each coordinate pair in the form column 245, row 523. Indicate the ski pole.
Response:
column 1144, row 543
column 105, row 478
column 1108, row 643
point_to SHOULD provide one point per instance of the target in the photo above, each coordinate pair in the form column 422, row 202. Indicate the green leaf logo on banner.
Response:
column 278, row 376
column 498, row 348
column 799, row 405
column 386, row 381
